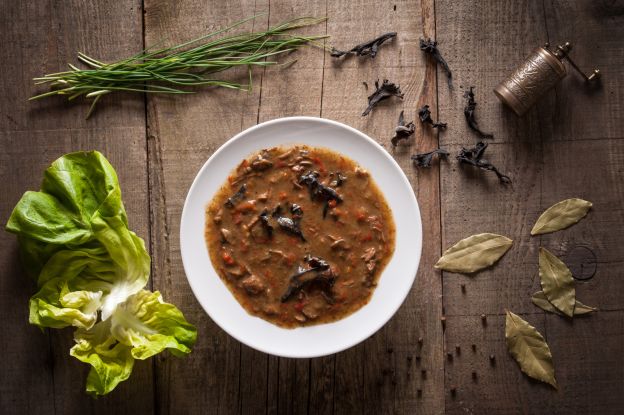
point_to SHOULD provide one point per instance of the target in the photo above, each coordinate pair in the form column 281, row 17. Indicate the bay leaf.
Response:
column 540, row 300
column 561, row 215
column 474, row 253
column 580, row 309
column 529, row 348
column 557, row 282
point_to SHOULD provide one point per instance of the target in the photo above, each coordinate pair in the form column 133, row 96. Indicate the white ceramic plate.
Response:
column 394, row 283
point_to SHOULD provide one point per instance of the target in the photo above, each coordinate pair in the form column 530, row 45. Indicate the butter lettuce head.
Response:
column 91, row 270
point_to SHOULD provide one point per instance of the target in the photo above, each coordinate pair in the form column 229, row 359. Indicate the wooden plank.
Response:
column 594, row 28
column 474, row 202
column 289, row 380
column 551, row 154
column 182, row 134
column 24, row 346
column 256, row 381
column 383, row 374
column 584, row 158
column 41, row 38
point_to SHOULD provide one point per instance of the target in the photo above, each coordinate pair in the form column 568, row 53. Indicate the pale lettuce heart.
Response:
column 111, row 362
column 149, row 326
column 76, row 308
column 75, row 285
column 140, row 327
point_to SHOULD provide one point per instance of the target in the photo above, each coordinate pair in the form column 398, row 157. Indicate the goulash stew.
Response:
column 300, row 235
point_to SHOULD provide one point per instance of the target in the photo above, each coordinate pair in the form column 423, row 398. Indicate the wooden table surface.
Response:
column 570, row 145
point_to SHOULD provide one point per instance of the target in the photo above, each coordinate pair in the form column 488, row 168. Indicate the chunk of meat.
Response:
column 235, row 271
column 286, row 154
column 261, row 164
column 369, row 259
column 247, row 206
column 253, row 285
column 360, row 172
column 310, row 311
column 270, row 309
column 369, row 254
column 218, row 217
column 340, row 244
column 263, row 197
column 226, row 236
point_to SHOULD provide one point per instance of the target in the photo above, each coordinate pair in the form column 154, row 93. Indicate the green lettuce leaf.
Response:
column 77, row 189
column 74, row 235
column 91, row 270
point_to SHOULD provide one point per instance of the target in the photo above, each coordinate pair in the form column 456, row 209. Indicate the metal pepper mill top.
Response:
column 540, row 71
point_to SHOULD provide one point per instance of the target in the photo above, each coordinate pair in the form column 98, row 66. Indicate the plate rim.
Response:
column 417, row 251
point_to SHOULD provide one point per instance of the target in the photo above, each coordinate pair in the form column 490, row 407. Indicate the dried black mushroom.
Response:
column 402, row 130
column 365, row 49
column 318, row 273
column 385, row 91
column 296, row 211
column 264, row 220
column 289, row 225
column 473, row 156
column 424, row 159
column 318, row 191
column 277, row 211
column 236, row 197
column 425, row 117
column 469, row 113
column 431, row 47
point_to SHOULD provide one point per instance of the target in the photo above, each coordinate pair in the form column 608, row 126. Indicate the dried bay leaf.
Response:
column 561, row 215
column 557, row 282
column 540, row 300
column 580, row 309
column 474, row 253
column 529, row 348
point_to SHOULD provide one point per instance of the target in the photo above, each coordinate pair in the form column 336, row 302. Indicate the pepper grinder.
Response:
column 540, row 71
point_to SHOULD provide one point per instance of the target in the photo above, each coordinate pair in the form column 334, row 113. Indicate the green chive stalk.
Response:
column 177, row 69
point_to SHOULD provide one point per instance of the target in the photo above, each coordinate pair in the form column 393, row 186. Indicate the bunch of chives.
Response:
column 176, row 69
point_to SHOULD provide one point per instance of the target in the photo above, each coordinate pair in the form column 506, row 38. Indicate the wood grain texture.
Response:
column 182, row 134
column 473, row 201
column 569, row 145
column 39, row 374
column 586, row 347
column 551, row 154
column 388, row 365
column 296, row 89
